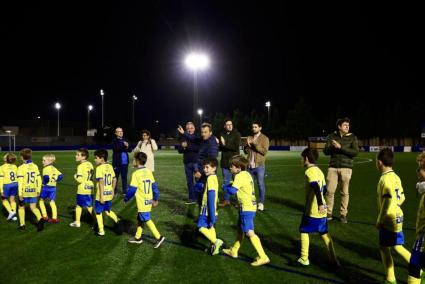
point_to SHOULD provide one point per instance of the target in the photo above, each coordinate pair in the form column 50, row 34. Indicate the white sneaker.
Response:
column 11, row 215
column 260, row 207
column 101, row 233
column 75, row 224
column 135, row 241
column 15, row 219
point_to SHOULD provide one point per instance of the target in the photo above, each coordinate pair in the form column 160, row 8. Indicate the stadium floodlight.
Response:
column 268, row 105
column 89, row 109
column 38, row 117
column 134, row 99
column 102, row 94
column 58, row 107
column 200, row 112
column 195, row 62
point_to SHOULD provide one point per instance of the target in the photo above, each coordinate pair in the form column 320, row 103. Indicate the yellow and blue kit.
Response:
column 84, row 177
column 208, row 214
column 8, row 180
column 29, row 182
column 51, row 176
column 106, row 173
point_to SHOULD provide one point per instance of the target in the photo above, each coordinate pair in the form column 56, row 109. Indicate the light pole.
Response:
column 268, row 105
column 58, row 107
column 196, row 62
column 134, row 99
column 200, row 112
column 101, row 95
column 10, row 140
column 89, row 109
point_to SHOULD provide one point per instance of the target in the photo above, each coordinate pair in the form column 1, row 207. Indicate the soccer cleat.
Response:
column 304, row 262
column 329, row 217
column 230, row 253
column 53, row 221
column 224, row 204
column 21, row 227
column 343, row 219
column 135, row 241
column 40, row 225
column 46, row 219
column 159, row 242
column 15, row 219
column 260, row 261
column 101, row 233
column 260, row 207
column 215, row 249
column 11, row 216
column 75, row 224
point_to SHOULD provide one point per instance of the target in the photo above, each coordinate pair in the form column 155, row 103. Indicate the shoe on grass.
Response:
column 101, row 233
column 260, row 207
column 215, row 249
column 75, row 224
column 230, row 252
column 303, row 262
column 159, row 242
column 11, row 215
column 260, row 261
column 343, row 219
column 135, row 241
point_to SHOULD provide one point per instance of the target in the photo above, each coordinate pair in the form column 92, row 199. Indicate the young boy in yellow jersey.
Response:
column 29, row 182
column 51, row 176
column 208, row 215
column 314, row 218
column 9, row 185
column 390, row 196
column 84, row 177
column 106, row 181
column 243, row 187
column 417, row 260
column 144, row 187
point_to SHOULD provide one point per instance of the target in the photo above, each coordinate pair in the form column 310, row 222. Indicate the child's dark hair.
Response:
column 386, row 156
column 147, row 132
column 141, row 157
column 239, row 162
column 311, row 154
column 26, row 154
column 210, row 161
column 10, row 158
column 84, row 152
column 101, row 153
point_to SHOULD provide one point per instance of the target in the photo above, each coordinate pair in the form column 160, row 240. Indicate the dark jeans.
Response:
column 121, row 170
column 189, row 169
column 227, row 178
column 258, row 173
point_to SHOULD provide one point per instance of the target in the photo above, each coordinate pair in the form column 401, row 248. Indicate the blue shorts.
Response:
column 246, row 221
column 84, row 200
column 390, row 239
column 144, row 216
column 314, row 225
column 418, row 257
column 205, row 222
column 10, row 189
column 29, row 200
column 48, row 193
column 99, row 207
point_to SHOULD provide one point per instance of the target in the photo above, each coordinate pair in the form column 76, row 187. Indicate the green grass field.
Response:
column 71, row 255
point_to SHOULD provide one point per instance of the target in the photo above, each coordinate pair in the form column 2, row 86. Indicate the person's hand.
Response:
column 249, row 141
column 180, row 129
column 198, row 175
column 322, row 209
column 125, row 144
column 223, row 142
column 155, row 203
column 184, row 144
column 336, row 144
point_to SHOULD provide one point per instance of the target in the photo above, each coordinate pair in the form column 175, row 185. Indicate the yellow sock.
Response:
column 208, row 234
column 13, row 205
column 413, row 280
column 153, row 229
column 99, row 219
column 6, row 205
column 90, row 209
column 388, row 262
column 54, row 209
column 78, row 211
column 139, row 232
column 43, row 208
column 37, row 213
column 255, row 241
column 112, row 215
column 401, row 250
column 236, row 246
column 330, row 247
column 305, row 242
column 21, row 213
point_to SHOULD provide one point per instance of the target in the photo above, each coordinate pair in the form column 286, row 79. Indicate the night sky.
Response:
column 329, row 54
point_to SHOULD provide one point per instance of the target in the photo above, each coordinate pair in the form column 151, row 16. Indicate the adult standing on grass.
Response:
column 120, row 160
column 342, row 146
column 148, row 146
column 257, row 146
column 230, row 141
column 189, row 147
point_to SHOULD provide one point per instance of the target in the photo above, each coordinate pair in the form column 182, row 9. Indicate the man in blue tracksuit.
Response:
column 120, row 160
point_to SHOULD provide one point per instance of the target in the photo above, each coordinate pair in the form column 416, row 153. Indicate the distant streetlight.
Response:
column 268, row 105
column 196, row 62
column 58, row 107
column 134, row 99
column 101, row 95
column 89, row 109
column 200, row 112
column 10, row 139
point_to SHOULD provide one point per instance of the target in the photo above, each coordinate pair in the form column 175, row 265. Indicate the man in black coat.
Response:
column 120, row 159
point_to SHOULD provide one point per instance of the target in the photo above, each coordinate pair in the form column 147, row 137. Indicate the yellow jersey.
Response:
column 29, row 180
column 142, row 179
column 314, row 175
column 51, row 175
column 106, row 173
column 246, row 191
column 8, row 174
column 84, row 177
column 211, row 185
column 420, row 216
column 389, row 187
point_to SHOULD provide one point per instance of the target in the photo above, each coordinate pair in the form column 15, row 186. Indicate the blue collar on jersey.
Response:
column 28, row 161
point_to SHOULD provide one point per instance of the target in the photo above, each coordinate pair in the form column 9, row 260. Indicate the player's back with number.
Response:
column 84, row 177
column 144, row 195
column 29, row 179
column 105, row 172
column 9, row 173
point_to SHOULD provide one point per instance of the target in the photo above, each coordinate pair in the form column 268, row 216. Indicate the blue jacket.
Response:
column 190, row 153
column 118, row 149
column 208, row 148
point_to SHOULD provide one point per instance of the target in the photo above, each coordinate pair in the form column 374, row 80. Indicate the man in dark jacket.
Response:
column 189, row 147
column 120, row 160
column 342, row 146
column 230, row 141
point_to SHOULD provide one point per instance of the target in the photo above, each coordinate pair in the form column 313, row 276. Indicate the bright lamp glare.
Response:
column 101, row 92
column 197, row 61
column 200, row 111
column 268, row 104
column 134, row 97
column 90, row 107
column 57, row 106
